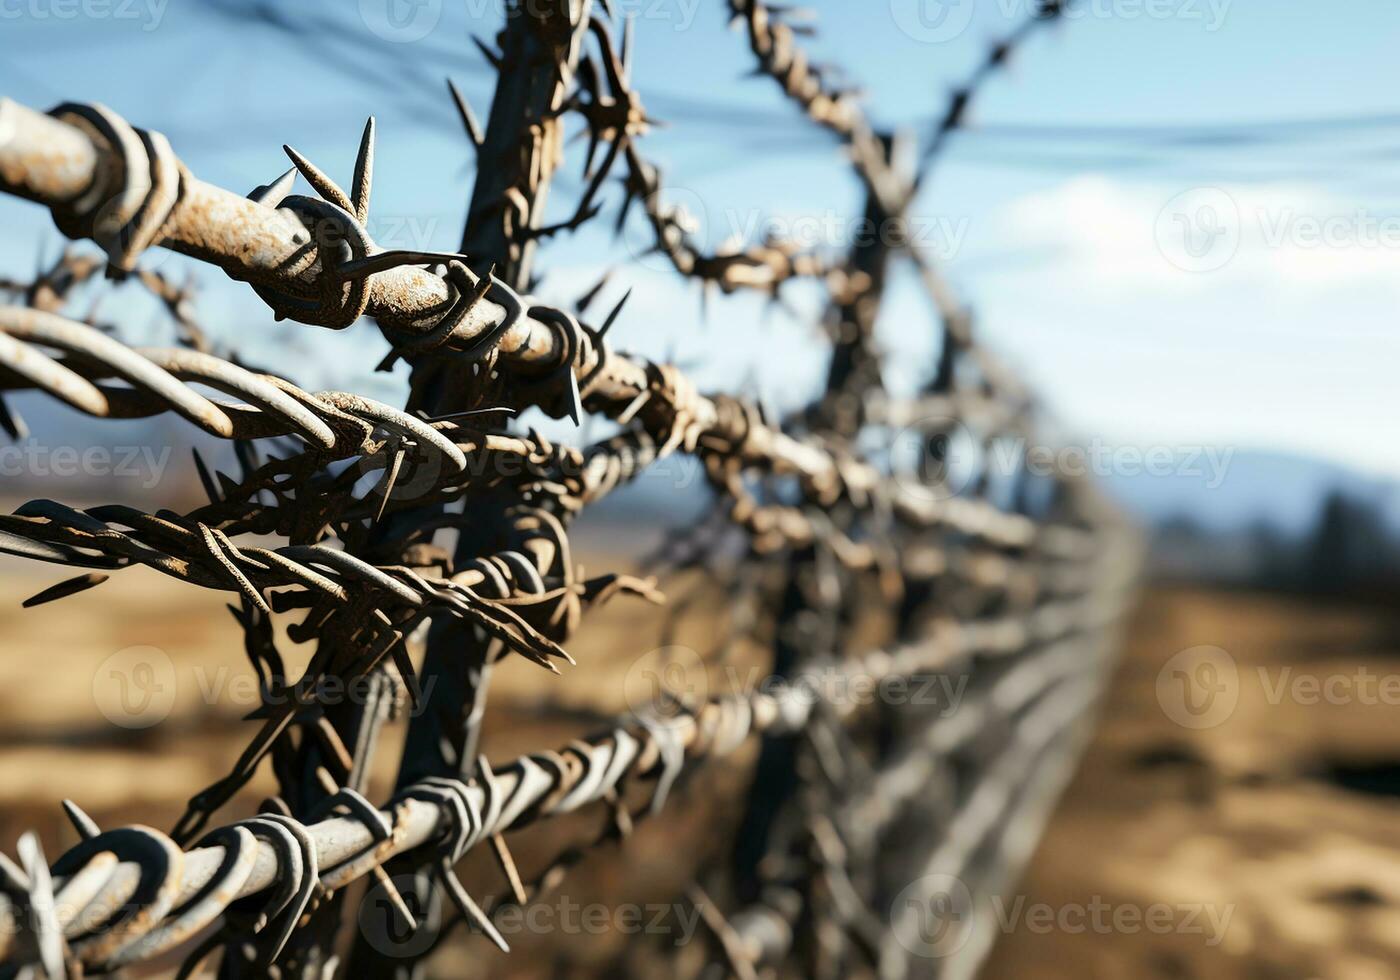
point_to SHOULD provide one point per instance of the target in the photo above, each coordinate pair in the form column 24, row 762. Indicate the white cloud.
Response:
column 1118, row 238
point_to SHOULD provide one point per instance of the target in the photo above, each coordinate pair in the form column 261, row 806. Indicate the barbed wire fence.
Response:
column 872, row 831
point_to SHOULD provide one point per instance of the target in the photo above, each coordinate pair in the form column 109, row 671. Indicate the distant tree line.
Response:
column 1351, row 550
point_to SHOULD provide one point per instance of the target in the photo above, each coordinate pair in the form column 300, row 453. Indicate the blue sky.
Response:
column 1132, row 122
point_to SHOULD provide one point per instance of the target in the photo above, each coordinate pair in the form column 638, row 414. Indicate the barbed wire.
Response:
column 531, row 788
column 967, row 572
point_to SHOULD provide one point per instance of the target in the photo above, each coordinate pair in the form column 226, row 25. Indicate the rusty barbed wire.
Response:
column 664, row 400
column 764, row 266
column 1045, row 13
column 773, row 39
column 966, row 574
column 737, row 438
column 106, row 891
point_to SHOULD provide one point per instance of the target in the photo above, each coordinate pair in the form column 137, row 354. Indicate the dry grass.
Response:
column 1246, row 816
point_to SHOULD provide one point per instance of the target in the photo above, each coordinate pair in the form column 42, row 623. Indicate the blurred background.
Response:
column 1176, row 218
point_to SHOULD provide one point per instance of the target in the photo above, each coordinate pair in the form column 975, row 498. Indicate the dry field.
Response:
column 1269, row 844
column 76, row 721
column 1278, row 826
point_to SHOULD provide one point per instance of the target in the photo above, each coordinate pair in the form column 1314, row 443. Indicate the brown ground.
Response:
column 1283, row 816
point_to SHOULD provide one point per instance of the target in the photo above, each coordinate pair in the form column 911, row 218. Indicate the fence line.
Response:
column 1013, row 584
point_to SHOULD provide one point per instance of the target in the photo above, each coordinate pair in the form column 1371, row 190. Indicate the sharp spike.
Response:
column 612, row 317
column 216, row 551
column 622, row 213
column 11, row 877
column 586, row 300
column 41, row 910
column 226, row 483
column 72, row 586
column 12, row 423
column 382, row 878
column 390, row 479
column 591, row 154
column 464, row 110
column 399, row 652
column 272, row 194
column 608, row 9
column 508, row 867
column 587, row 76
column 205, row 479
column 634, row 406
column 628, row 26
column 322, row 184
column 85, row 826
column 364, row 174
column 247, row 453
column 487, row 53
column 469, row 909
column 469, row 413
column 575, row 403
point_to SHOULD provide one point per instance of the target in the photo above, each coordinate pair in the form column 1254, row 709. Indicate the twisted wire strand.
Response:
column 339, row 425
column 773, row 42
column 999, row 54
column 1060, row 681
column 1025, row 595
column 660, row 396
column 126, row 900
column 603, row 469
column 763, row 266
column 252, row 241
